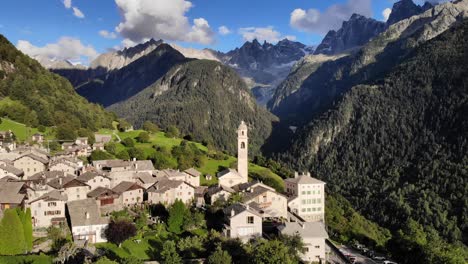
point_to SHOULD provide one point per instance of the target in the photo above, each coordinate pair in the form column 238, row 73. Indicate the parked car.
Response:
column 377, row 257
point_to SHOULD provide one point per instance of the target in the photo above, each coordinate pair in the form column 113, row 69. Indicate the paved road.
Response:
column 359, row 257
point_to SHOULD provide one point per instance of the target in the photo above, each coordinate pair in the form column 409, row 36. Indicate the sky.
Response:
column 79, row 30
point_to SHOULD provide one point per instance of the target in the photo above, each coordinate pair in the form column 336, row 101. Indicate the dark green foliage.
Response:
column 32, row 259
column 219, row 256
column 162, row 161
column 123, row 125
column 27, row 228
column 41, row 128
column 397, row 148
column 169, row 253
column 41, row 96
column 84, row 132
column 128, row 142
column 123, row 155
column 100, row 155
column 177, row 213
column 172, row 132
column 208, row 101
column 119, row 231
column 271, row 252
column 143, row 137
column 105, row 260
column 12, row 239
column 58, row 238
column 66, row 132
column 111, row 147
column 137, row 153
column 150, row 127
column 188, row 155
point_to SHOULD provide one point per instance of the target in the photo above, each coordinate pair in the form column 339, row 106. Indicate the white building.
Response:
column 95, row 179
column 86, row 222
column 130, row 193
column 49, row 209
column 307, row 197
column 30, row 164
column 265, row 200
column 168, row 191
column 313, row 235
column 242, row 222
column 232, row 177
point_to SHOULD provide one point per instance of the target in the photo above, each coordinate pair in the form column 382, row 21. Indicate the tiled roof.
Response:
column 193, row 172
column 85, row 177
column 101, row 191
column 304, row 229
column 9, row 192
column 228, row 171
column 239, row 208
column 126, row 186
column 53, row 195
column 304, row 179
column 11, row 169
column 35, row 157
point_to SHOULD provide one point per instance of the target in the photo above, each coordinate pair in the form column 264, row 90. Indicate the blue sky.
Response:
column 44, row 25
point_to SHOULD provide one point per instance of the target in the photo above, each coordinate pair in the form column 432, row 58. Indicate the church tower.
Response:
column 242, row 152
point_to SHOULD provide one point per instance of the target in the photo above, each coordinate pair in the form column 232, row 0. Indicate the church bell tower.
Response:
column 242, row 152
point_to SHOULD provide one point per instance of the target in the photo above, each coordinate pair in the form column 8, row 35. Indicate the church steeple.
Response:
column 242, row 151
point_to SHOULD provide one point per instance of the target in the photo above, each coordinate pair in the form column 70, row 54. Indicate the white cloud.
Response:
column 314, row 21
column 107, row 34
column 77, row 12
column 144, row 19
column 223, row 30
column 67, row 3
column 66, row 48
column 386, row 13
column 268, row 34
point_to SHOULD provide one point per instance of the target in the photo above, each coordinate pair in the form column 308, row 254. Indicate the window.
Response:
column 250, row 219
column 242, row 145
column 303, row 210
column 308, row 209
column 306, row 249
column 308, row 192
column 317, row 246
column 94, row 180
column 303, row 192
column 50, row 204
column 78, row 196
column 245, row 231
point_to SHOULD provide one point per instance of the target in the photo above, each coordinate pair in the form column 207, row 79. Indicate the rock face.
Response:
column 332, row 79
column 404, row 9
column 354, row 33
column 121, row 84
column 118, row 59
column 264, row 66
column 202, row 98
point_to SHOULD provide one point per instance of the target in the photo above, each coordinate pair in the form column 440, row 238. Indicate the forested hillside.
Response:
column 39, row 97
column 397, row 148
column 204, row 99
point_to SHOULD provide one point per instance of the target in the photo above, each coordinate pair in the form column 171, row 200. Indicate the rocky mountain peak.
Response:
column 404, row 9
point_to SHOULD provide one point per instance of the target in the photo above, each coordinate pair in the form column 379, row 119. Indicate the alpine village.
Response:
column 353, row 149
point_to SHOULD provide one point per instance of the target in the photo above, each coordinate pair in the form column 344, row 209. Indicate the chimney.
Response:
column 308, row 174
column 247, row 207
column 134, row 159
column 296, row 174
column 60, row 181
column 232, row 212
column 87, row 215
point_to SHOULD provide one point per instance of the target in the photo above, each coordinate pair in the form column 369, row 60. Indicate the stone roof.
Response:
column 193, row 172
column 8, row 179
column 165, row 184
column 140, row 164
column 102, row 138
column 67, row 161
column 9, row 193
column 146, row 177
column 85, row 213
column 304, row 179
column 46, row 175
column 238, row 208
column 304, row 229
column 65, row 182
column 126, row 186
column 34, row 157
column 11, row 169
column 215, row 189
column 168, row 173
column 85, row 177
column 53, row 195
column 228, row 171
column 99, row 191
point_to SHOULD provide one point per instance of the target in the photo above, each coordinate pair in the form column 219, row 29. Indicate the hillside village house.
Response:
column 242, row 222
column 38, row 138
column 313, row 235
column 30, row 164
column 9, row 170
column 86, row 222
column 106, row 199
column 7, row 140
column 219, row 193
column 81, row 141
column 49, row 209
column 12, row 194
column 67, row 165
column 95, row 179
column 190, row 176
column 98, row 146
column 71, row 187
column 167, row 191
column 101, row 138
column 193, row 177
column 265, row 200
column 130, row 193
column 121, row 170
column 307, row 197
column 145, row 179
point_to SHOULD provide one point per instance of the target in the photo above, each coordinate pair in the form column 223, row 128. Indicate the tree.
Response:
column 119, row 231
column 123, row 125
column 162, row 161
column 100, row 155
column 111, row 147
column 12, row 234
column 137, row 153
column 172, row 132
column 150, row 127
column 177, row 214
column 143, row 137
column 128, row 142
column 105, row 260
column 270, row 252
column 219, row 256
column 28, row 229
column 66, row 132
column 84, row 132
column 169, row 253
column 123, row 155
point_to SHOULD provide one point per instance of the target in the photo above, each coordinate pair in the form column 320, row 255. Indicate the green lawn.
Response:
column 22, row 132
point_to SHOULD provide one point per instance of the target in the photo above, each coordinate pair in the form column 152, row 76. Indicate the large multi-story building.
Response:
column 307, row 197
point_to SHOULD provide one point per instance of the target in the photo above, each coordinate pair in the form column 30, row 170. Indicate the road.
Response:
column 359, row 257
